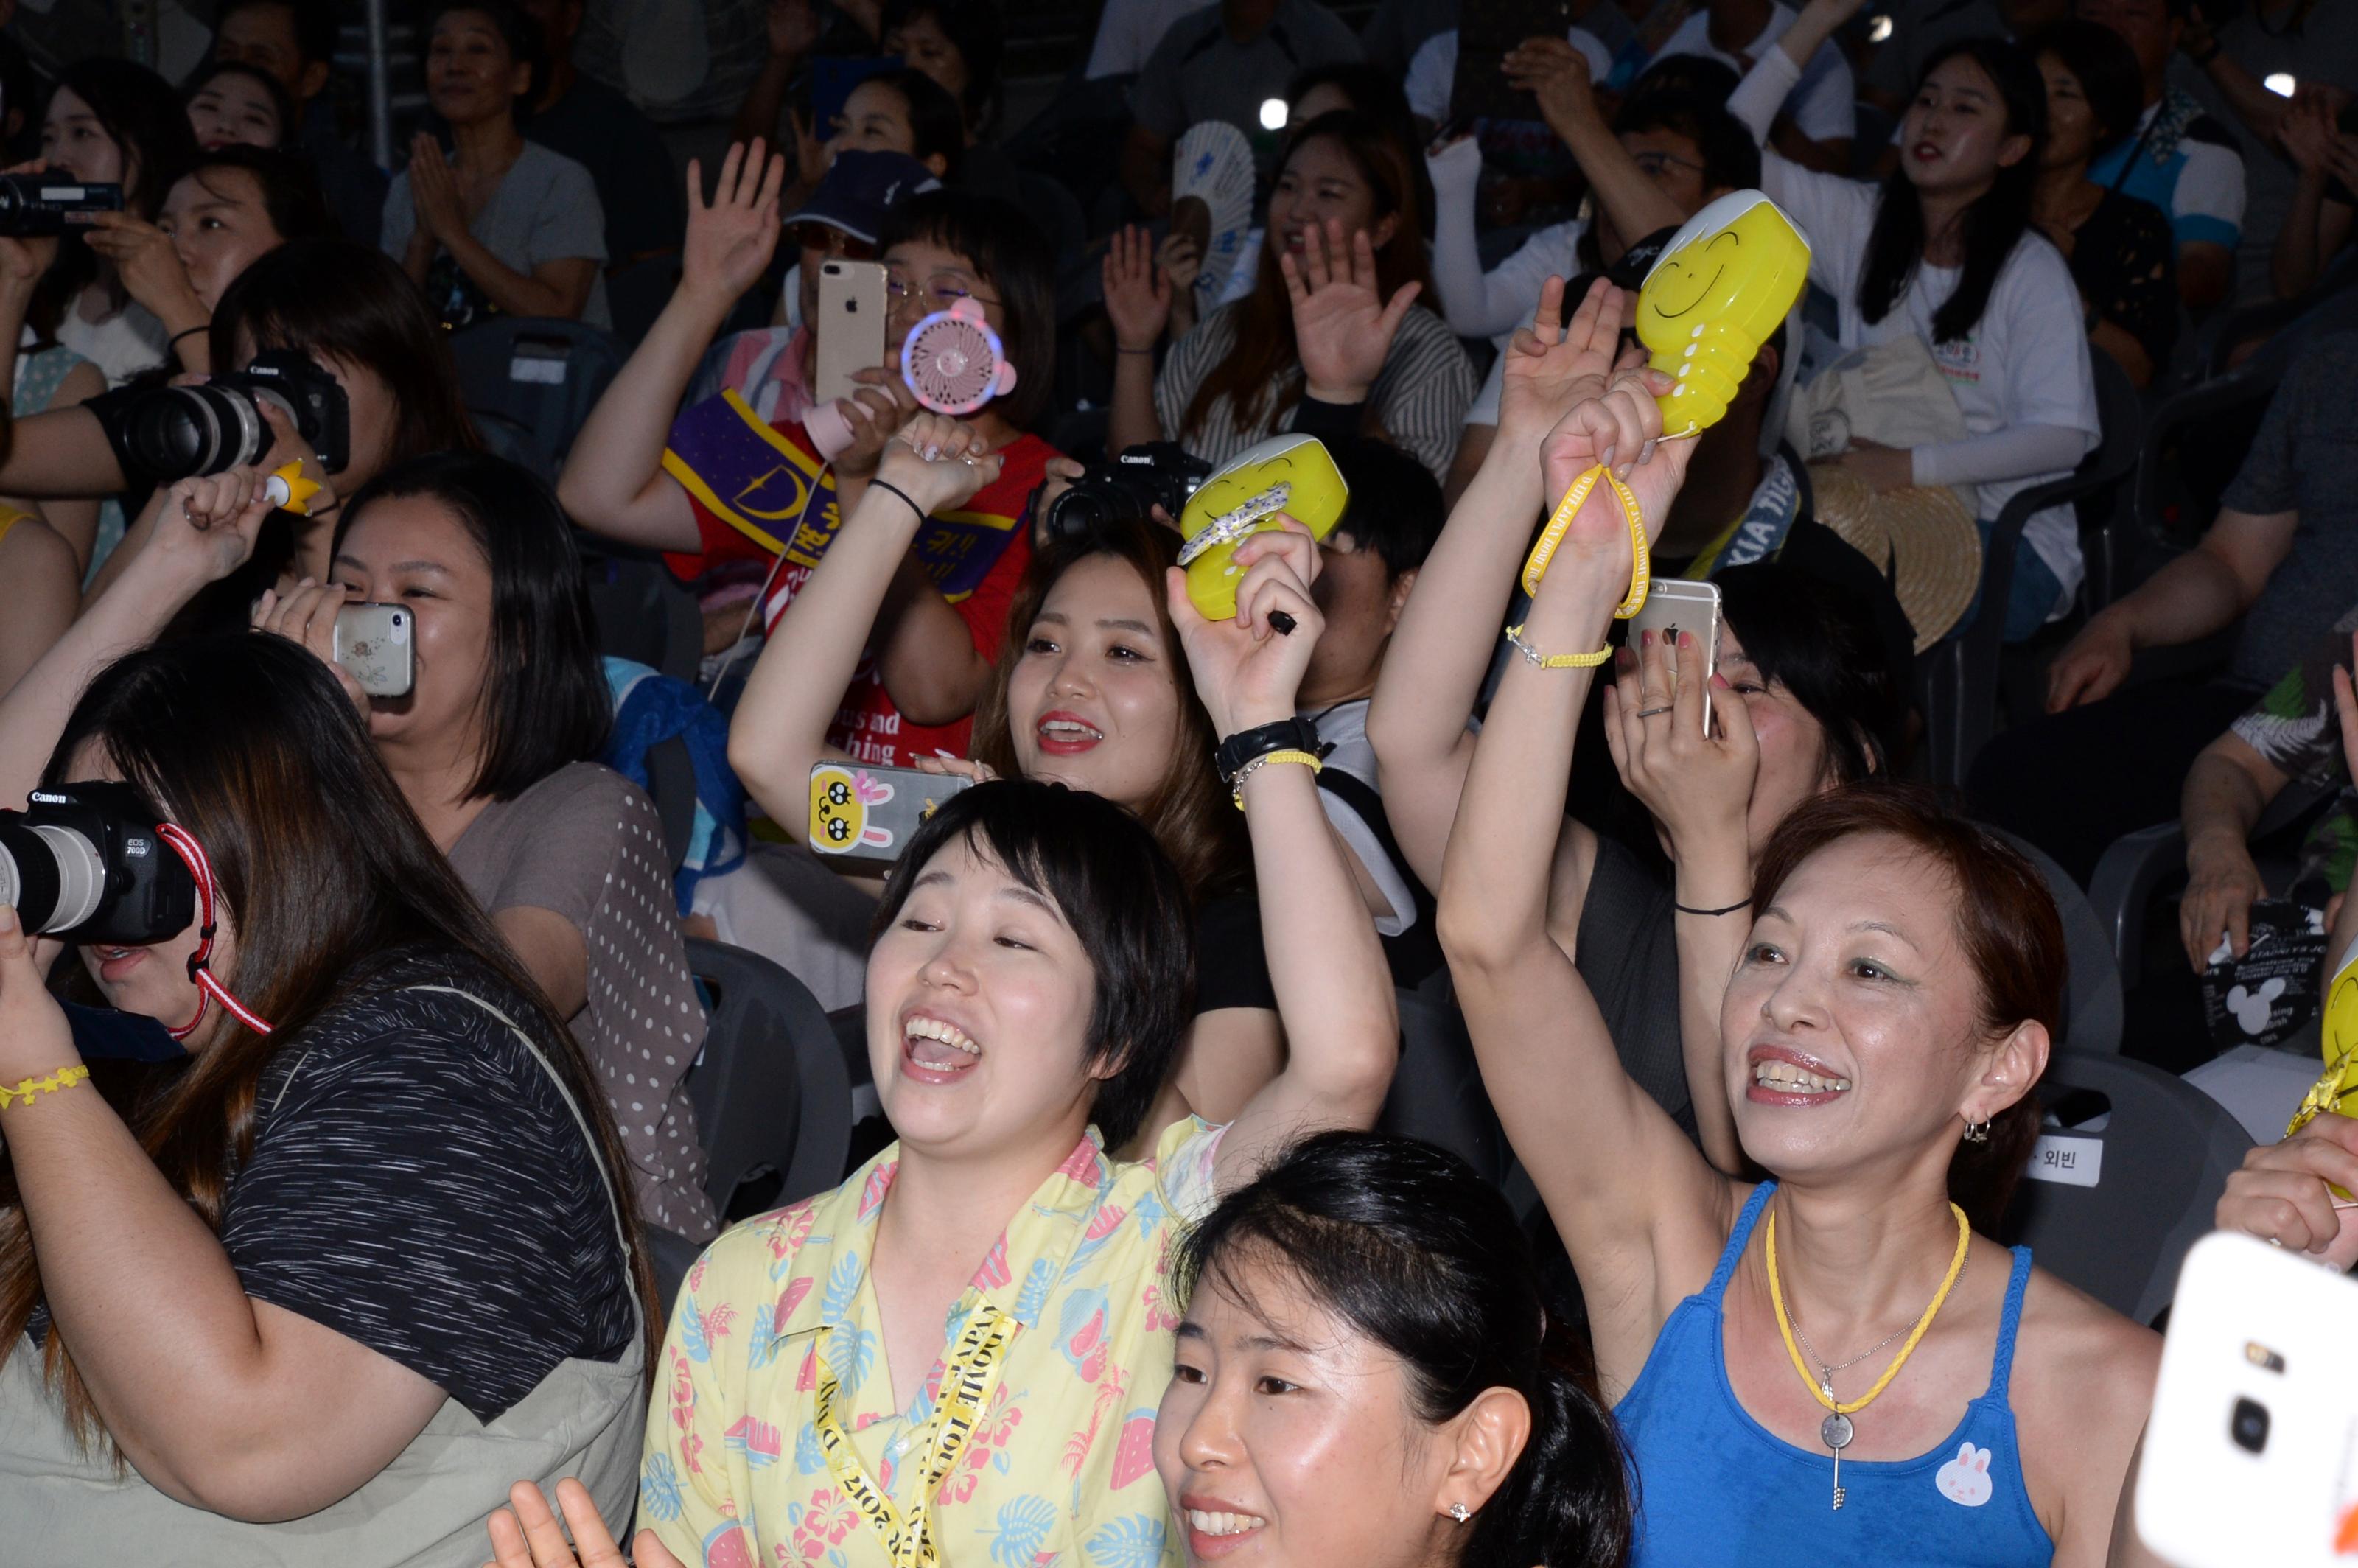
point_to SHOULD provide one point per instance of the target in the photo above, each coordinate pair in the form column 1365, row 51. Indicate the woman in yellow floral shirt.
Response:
column 956, row 1355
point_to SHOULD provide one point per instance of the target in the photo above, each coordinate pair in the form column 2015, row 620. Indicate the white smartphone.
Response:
column 1674, row 605
column 2251, row 1456
column 850, row 325
column 373, row 641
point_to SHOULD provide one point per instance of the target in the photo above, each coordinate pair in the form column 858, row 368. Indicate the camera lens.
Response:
column 184, row 430
column 2249, row 1425
column 52, row 876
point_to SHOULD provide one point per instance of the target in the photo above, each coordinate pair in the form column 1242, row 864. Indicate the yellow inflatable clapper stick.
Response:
column 1718, row 291
column 1292, row 474
column 289, row 492
column 2337, row 1038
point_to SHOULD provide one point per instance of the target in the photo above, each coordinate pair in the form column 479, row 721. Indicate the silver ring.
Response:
column 1651, row 713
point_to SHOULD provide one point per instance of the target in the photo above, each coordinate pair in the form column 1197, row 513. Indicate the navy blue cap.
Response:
column 859, row 188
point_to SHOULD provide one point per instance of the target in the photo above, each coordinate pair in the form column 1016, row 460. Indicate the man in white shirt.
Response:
column 1129, row 30
column 1815, row 125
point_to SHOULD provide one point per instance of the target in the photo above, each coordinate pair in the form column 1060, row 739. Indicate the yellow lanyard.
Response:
column 1641, row 559
column 966, row 1379
column 1823, row 1392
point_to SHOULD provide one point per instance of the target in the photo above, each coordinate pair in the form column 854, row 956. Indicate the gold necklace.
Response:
column 1837, row 1428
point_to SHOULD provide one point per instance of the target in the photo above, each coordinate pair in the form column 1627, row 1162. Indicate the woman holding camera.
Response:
column 379, row 1203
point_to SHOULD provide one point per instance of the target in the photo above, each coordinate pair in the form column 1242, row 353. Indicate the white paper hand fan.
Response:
column 1211, row 198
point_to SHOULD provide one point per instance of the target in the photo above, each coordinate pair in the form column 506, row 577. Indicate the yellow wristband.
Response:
column 1556, row 660
column 63, row 1079
column 1642, row 563
column 1237, row 784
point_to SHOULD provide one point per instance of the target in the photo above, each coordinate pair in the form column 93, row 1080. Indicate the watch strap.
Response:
column 1295, row 734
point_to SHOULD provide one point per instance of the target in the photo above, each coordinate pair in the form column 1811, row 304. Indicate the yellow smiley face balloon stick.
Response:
column 1721, row 285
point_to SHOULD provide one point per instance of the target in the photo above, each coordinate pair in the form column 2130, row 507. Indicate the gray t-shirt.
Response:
column 585, row 844
column 2304, row 459
column 1197, row 73
column 544, row 209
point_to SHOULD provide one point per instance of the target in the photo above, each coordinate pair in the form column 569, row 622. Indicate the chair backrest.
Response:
column 645, row 616
column 637, row 293
column 539, row 375
column 1437, row 1094
column 671, row 1255
column 2092, row 988
column 773, row 1098
column 2126, row 1173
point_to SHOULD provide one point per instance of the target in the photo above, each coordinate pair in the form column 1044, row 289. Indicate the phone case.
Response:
column 850, row 325
column 1292, row 474
column 862, row 815
column 2251, row 1456
column 373, row 642
column 1676, row 605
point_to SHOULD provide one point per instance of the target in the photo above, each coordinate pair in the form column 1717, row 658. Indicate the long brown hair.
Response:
column 1189, row 813
column 246, row 741
column 1263, row 361
column 2005, row 921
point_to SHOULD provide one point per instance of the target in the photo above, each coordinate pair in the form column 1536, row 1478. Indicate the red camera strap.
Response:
column 208, row 989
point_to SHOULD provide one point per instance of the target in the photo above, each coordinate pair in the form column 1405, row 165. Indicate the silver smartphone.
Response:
column 376, row 642
column 850, row 325
column 2251, row 1455
column 1674, row 605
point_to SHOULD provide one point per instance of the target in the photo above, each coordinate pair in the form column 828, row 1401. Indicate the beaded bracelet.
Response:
column 63, row 1079
column 1237, row 784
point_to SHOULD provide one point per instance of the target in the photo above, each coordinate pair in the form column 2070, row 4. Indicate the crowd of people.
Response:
column 336, row 1201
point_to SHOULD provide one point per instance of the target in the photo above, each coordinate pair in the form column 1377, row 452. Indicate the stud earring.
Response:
column 1460, row 1512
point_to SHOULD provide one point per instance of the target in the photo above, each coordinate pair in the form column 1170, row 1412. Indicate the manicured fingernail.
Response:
column 1605, row 456
column 1646, row 454
column 1645, row 639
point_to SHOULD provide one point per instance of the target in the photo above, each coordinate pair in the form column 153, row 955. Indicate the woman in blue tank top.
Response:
column 1830, row 1367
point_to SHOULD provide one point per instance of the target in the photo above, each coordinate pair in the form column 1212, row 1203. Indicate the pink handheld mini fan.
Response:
column 953, row 362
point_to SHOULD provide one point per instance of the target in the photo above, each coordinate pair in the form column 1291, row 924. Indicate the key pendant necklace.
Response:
column 1837, row 1429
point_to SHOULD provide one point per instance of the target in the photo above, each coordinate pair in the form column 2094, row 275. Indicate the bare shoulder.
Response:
column 2082, row 1386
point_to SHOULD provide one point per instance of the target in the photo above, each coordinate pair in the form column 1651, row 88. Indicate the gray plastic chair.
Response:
column 2093, row 1009
column 772, row 1100
column 645, row 616
column 2160, row 1160
column 538, row 375
column 1437, row 1093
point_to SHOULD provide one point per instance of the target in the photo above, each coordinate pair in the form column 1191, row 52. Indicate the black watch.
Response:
column 1295, row 734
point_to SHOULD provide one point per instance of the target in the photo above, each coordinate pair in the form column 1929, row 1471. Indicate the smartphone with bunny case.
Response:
column 1674, row 605
column 850, row 325
column 378, row 645
column 861, row 815
column 2251, row 1455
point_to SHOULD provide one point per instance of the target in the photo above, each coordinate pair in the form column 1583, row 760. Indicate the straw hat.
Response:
column 1920, row 536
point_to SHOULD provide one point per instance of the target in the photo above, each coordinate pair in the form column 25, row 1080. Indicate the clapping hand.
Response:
column 526, row 1535
column 937, row 463
column 434, row 194
column 731, row 238
column 1137, row 291
column 1247, row 670
column 1343, row 327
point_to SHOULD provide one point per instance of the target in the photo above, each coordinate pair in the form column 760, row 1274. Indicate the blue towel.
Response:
column 651, row 708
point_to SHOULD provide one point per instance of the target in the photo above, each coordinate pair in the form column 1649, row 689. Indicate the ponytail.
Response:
column 1569, row 1500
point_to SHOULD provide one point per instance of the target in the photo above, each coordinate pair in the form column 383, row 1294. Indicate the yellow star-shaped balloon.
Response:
column 290, row 491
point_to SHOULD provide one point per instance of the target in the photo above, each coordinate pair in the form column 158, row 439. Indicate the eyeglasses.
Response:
column 1657, row 165
column 826, row 237
column 944, row 289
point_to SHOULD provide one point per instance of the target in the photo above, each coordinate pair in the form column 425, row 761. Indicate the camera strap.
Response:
column 208, row 989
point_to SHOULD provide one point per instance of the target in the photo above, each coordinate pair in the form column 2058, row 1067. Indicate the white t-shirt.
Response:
column 1553, row 252
column 1821, row 104
column 1433, row 70
column 1129, row 30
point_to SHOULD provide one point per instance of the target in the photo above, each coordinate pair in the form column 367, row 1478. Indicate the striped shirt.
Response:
column 1419, row 398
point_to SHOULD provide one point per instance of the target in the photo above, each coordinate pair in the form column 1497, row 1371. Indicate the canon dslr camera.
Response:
column 84, row 863
column 164, row 433
column 33, row 206
column 1128, row 488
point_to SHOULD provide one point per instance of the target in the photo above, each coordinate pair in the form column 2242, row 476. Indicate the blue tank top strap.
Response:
column 2002, row 1367
column 1736, row 1240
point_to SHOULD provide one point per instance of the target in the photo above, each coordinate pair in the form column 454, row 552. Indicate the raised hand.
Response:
column 1137, row 291
column 1557, row 74
column 1247, row 671
column 731, row 238
column 1695, row 779
column 2307, row 133
column 1179, row 261
column 149, row 266
column 1343, row 327
column 792, row 27
column 207, row 525
column 1551, row 364
column 526, row 1535
column 307, row 615
column 1616, row 423
column 937, row 463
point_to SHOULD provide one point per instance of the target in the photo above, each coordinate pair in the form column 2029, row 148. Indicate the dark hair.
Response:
column 1260, row 377
column 1123, row 900
column 1731, row 158
column 316, row 25
column 142, row 116
column 1010, row 253
column 1189, row 813
column 289, row 130
column 2107, row 72
column 1820, row 641
column 979, row 32
column 1396, row 509
column 1695, row 76
column 289, row 187
column 518, row 31
column 355, row 304
column 1404, row 1243
column 2006, row 922
column 544, row 702
column 1996, row 223
column 937, row 124
column 1372, row 89
column 249, row 743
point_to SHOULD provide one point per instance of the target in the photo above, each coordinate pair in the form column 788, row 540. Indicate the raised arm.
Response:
column 1334, row 989
column 1138, row 303
column 1620, row 1181
column 1558, row 73
column 781, row 723
column 614, row 483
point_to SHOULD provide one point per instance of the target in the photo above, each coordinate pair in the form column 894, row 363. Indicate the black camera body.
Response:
column 33, row 206
column 164, row 433
column 83, row 862
column 1127, row 488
